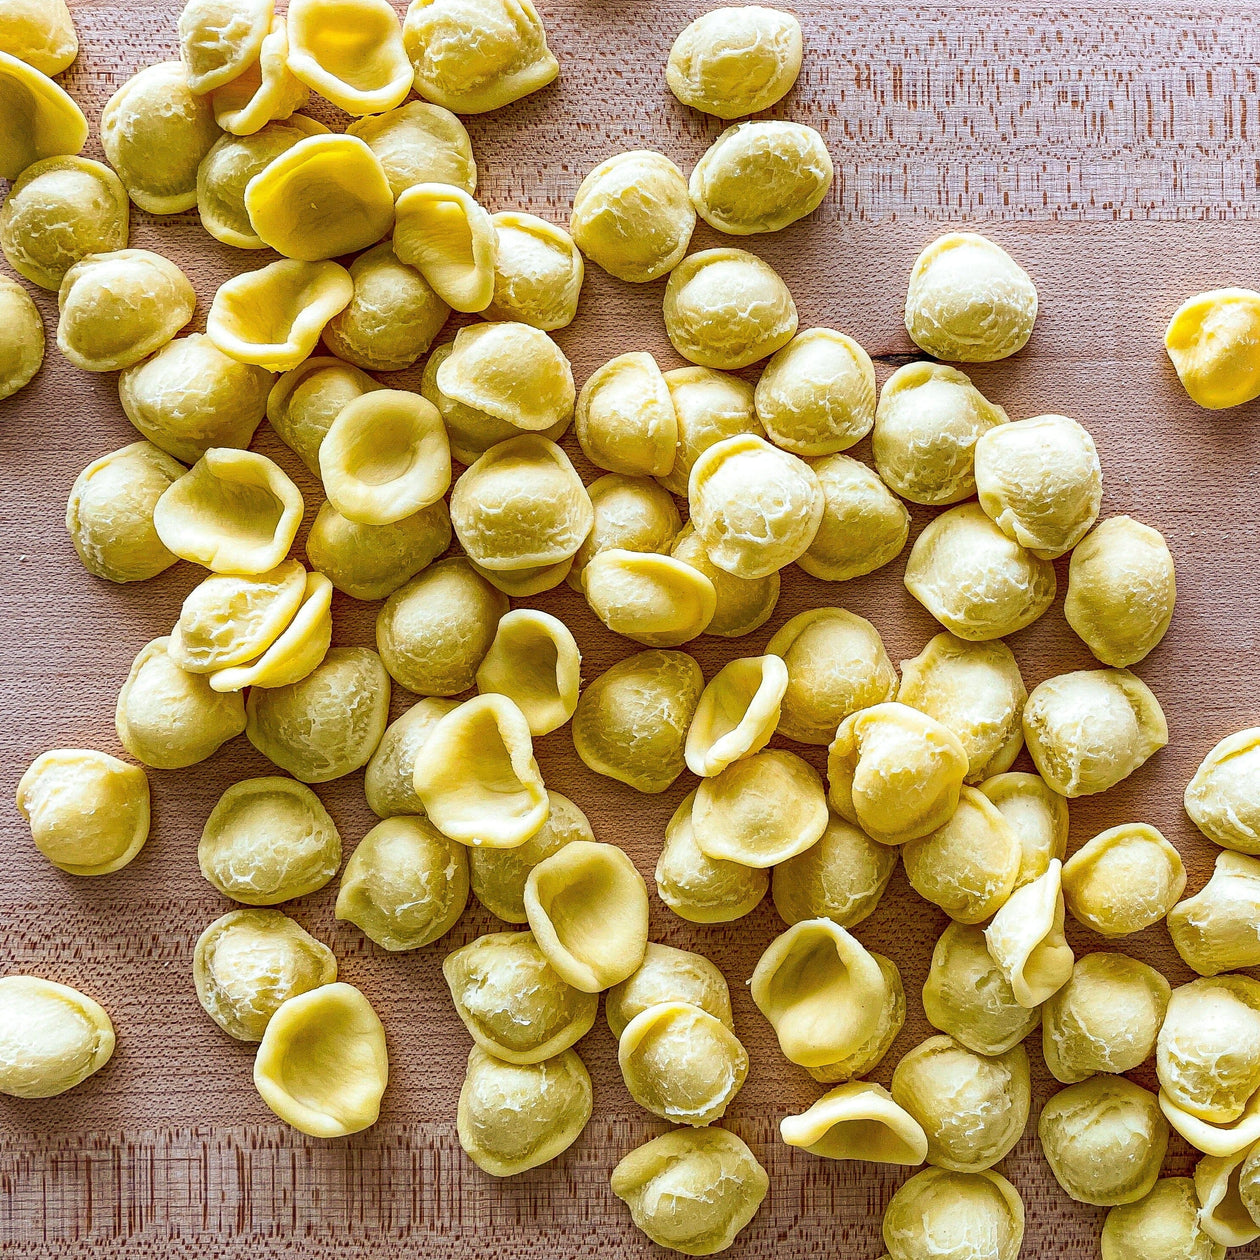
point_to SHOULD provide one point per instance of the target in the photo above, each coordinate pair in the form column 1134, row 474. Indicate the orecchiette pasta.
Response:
column 535, row 662
column 449, row 238
column 218, row 39
column 1211, row 341
column 419, row 143
column 863, row 527
column 538, row 272
column 668, row 975
column 305, row 401
column 741, row 604
column 388, row 781
column 350, row 52
column 40, row 33
column 859, row 1120
column 21, row 338
column 625, row 419
column 653, row 599
column 1162, row 1225
column 1218, row 929
column 1026, row 939
column 1223, row 1213
column 708, row 406
column 42, row 120
column 1037, row 814
column 632, row 514
column 1123, row 880
column 1223, row 798
column 737, row 713
column 265, row 91
column 52, row 1037
column 967, row 1216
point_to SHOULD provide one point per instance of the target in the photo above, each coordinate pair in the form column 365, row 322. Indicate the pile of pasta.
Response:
column 918, row 762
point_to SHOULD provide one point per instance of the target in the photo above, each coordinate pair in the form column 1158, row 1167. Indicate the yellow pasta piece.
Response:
column 631, row 514
column 737, row 713
column 535, row 662
column 52, row 1037
column 39, row 118
column 1223, row 797
column 1026, row 939
column 1224, row 1215
column 419, row 143
column 865, row 1056
column 859, row 1120
column 625, row 419
column 21, row 338
column 305, row 401
column 668, row 975
column 451, row 241
column 650, row 598
column 1216, row 929
column 1164, row 1222
column 350, row 52
column 264, row 91
column 708, row 406
column 41, row 33
column 1212, row 340
column 538, row 272
column 966, row 1216
column 1123, row 880
column 741, row 605
column 1038, row 815
column 219, row 39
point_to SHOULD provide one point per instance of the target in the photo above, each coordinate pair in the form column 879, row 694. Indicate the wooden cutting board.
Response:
column 1111, row 151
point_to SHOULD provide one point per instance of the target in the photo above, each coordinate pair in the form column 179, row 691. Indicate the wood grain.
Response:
column 1112, row 152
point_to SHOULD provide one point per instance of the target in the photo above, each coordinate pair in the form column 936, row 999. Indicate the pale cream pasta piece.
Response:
column 405, row 884
column 218, row 39
column 969, row 301
column 265, row 91
column 513, row 1117
column 708, row 406
column 248, row 962
column 52, row 1037
column 1218, row 929
column 328, row 723
column 699, row 888
column 669, row 975
column 863, row 527
column 21, row 338
column 1212, row 341
column 1216, row 1138
column 654, row 599
column 169, row 718
column 513, row 1003
column 388, row 780
column 972, row 1107
column 268, row 840
column 1089, row 729
column 741, row 604
column 450, row 239
column 1123, row 880
column 735, row 61
column 624, row 417
column 434, row 632
column 967, row 996
column 538, row 272
column 535, row 662
column 631, row 514
column 587, row 907
column 114, row 309
column 528, row 582
column 859, row 1120
column 978, row 583
column 1249, row 1184
column 305, row 401
column 1121, row 590
column 41, row 119
column 897, row 773
column 88, row 812
column 1162, row 1225
column 1223, row 797
column 323, row 1065
column 40, row 33
column 1104, row 1140
column 965, row 1216
column 58, row 211
column 274, row 316
column 1027, row 942
column 419, row 143
column 1038, row 815
column 109, row 515
column 866, row 1055
column 351, row 52
column 1224, row 1215
column 737, row 713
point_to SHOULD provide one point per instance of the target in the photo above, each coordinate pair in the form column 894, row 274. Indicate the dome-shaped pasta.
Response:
column 969, row 301
column 651, row 598
column 1123, row 880
column 52, row 1037
column 58, row 211
column 538, row 272
column 40, row 33
column 526, row 583
column 668, row 975
column 965, row 1216
column 1215, row 930
column 863, row 526
column 737, row 713
column 265, row 91
column 535, row 662
column 41, row 120
column 974, row 580
column 109, row 515
column 625, row 419
column 897, row 773
column 1038, row 816
column 305, row 401
column 218, row 39
column 88, row 812
column 866, row 1055
column 450, row 239
column 1162, row 1225
column 708, row 406
column 169, row 718
column 514, row 1005
column 155, row 132
column 1223, row 1212
column 860, row 1120
column 117, row 308
column 21, row 338
column 389, row 782
column 1026, row 939
column 247, row 962
column 1211, row 340
column 631, row 514
column 1223, row 797
column 419, row 143
column 741, row 604
column 350, row 52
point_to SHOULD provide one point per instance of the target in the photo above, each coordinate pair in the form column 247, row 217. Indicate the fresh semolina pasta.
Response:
column 865, row 1056
column 929, row 419
column 88, row 812
column 859, row 1120
column 233, row 511
column 1121, row 590
column 968, row 864
column 1040, row 481
column 863, row 526
column 41, row 120
column 699, row 888
column 109, row 515
column 1162, row 1225
column 155, row 131
column 669, row 976
column 978, row 583
column 726, row 308
column 1038, row 816
column 762, row 176
column 327, row 724
column 305, row 401
column 521, row 505
column 708, row 406
column 526, row 583
column 1027, row 942
column 821, row 990
column 975, row 690
column 58, row 211
column 219, row 39
column 248, row 962
column 499, row 875
column 1211, row 340
column 21, row 338
column 115, row 309
column 653, row 599
column 681, row 1063
column 405, row 884
column 535, row 662
column 760, row 810
column 1104, row 1019
column 836, row 665
column 435, row 631
column 451, row 240
column 631, row 514
column 514, row 1005
column 40, row 33
column 268, row 840
column 969, row 301
column 1249, row 1184
column 897, row 774
column 52, row 1037
column 1223, row 798
column 513, row 1117
column 538, row 272
column 965, row 1216
column 1089, row 729
column 350, row 52
column 169, row 718
column 419, row 143
column 1218, row 1140
column 324, row 197
column 265, row 91
column 587, row 908
column 967, row 996
column 476, row 775
column 972, row 1107
column 392, row 318
column 741, row 605
column 1218, row 929
column 1223, row 1213
column 323, row 1066
column 1104, row 1140
column 735, row 61
column 625, row 419
column 1123, row 880
column 388, row 782
column 274, row 316
column 737, row 713
column 632, row 215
